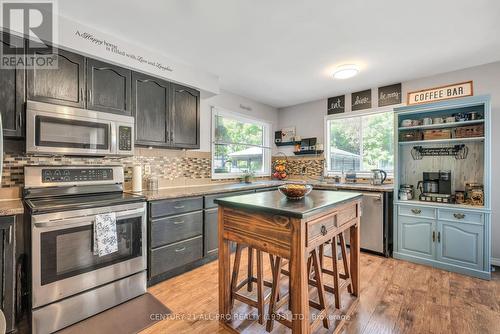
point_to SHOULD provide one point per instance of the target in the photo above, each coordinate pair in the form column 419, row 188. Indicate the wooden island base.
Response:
column 288, row 230
column 338, row 318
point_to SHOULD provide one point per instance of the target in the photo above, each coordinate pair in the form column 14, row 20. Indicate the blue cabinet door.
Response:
column 460, row 244
column 415, row 237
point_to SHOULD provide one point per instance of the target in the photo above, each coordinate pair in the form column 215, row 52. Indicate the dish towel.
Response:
column 105, row 238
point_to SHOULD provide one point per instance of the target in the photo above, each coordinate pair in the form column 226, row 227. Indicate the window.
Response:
column 360, row 143
column 239, row 145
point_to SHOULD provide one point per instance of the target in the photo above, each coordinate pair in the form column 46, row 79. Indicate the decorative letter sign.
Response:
column 336, row 105
column 441, row 93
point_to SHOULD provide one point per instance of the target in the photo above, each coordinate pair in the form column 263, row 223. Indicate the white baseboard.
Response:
column 495, row 261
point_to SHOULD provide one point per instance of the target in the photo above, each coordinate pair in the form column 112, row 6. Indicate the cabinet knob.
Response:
column 416, row 211
column 323, row 230
column 433, row 236
column 459, row 215
column 439, row 236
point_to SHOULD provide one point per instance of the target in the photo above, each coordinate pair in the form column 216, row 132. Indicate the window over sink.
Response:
column 360, row 141
column 240, row 145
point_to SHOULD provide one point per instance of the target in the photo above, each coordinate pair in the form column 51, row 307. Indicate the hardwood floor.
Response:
column 396, row 297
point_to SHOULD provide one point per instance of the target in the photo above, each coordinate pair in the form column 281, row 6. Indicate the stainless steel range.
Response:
column 69, row 281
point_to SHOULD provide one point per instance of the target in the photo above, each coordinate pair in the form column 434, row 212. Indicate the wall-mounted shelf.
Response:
column 306, row 152
column 442, row 141
column 288, row 143
column 441, row 125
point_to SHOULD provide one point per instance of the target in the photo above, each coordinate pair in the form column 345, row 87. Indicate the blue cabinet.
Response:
column 415, row 236
column 455, row 239
column 437, row 231
column 460, row 244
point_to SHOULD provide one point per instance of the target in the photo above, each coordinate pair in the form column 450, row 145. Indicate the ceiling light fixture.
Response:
column 346, row 71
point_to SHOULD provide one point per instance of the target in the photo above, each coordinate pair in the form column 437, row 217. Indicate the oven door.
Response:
column 62, row 250
column 51, row 133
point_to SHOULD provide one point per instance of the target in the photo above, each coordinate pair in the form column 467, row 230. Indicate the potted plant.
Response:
column 247, row 176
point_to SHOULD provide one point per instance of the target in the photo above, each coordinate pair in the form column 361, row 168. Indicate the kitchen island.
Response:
column 289, row 229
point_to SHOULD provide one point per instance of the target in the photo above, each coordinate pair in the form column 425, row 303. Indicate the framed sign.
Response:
column 441, row 93
column 288, row 134
column 389, row 95
column 361, row 100
column 336, row 105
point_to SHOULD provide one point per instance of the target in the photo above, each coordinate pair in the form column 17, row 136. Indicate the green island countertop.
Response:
column 274, row 202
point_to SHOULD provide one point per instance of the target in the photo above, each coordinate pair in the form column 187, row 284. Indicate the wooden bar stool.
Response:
column 236, row 286
column 345, row 276
column 313, row 262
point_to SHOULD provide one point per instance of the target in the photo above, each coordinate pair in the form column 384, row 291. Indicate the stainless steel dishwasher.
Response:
column 375, row 222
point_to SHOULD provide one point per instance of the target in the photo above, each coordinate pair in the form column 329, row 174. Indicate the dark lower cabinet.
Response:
column 7, row 268
column 12, row 93
column 184, row 234
column 175, row 239
column 150, row 105
column 211, row 231
column 108, row 87
column 166, row 258
column 171, row 229
column 185, row 117
column 63, row 85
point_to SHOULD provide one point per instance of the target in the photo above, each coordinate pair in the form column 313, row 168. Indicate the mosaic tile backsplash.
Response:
column 166, row 165
column 312, row 166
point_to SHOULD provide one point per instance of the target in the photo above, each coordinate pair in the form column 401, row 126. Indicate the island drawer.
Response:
column 460, row 216
column 176, row 228
column 347, row 214
column 169, row 257
column 209, row 199
column 176, row 206
column 417, row 211
column 320, row 227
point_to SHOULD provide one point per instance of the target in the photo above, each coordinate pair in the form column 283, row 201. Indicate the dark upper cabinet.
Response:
column 108, row 87
column 185, row 117
column 150, row 105
column 12, row 96
column 63, row 85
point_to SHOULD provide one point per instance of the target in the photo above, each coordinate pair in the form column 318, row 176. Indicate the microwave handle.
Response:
column 113, row 147
column 86, row 220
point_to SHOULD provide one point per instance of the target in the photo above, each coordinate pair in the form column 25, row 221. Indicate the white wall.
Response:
column 233, row 102
column 308, row 118
column 88, row 41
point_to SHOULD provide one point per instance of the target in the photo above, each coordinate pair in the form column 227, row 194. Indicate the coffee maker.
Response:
column 435, row 187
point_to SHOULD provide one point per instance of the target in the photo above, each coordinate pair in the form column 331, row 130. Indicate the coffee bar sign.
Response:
column 440, row 93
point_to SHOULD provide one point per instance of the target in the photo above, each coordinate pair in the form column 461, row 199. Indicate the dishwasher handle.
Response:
column 376, row 197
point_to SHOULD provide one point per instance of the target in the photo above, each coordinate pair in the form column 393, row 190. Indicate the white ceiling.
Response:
column 281, row 52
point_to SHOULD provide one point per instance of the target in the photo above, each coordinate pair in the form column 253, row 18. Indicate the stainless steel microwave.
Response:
column 60, row 130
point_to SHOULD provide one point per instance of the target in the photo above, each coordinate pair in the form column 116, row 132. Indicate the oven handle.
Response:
column 84, row 220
